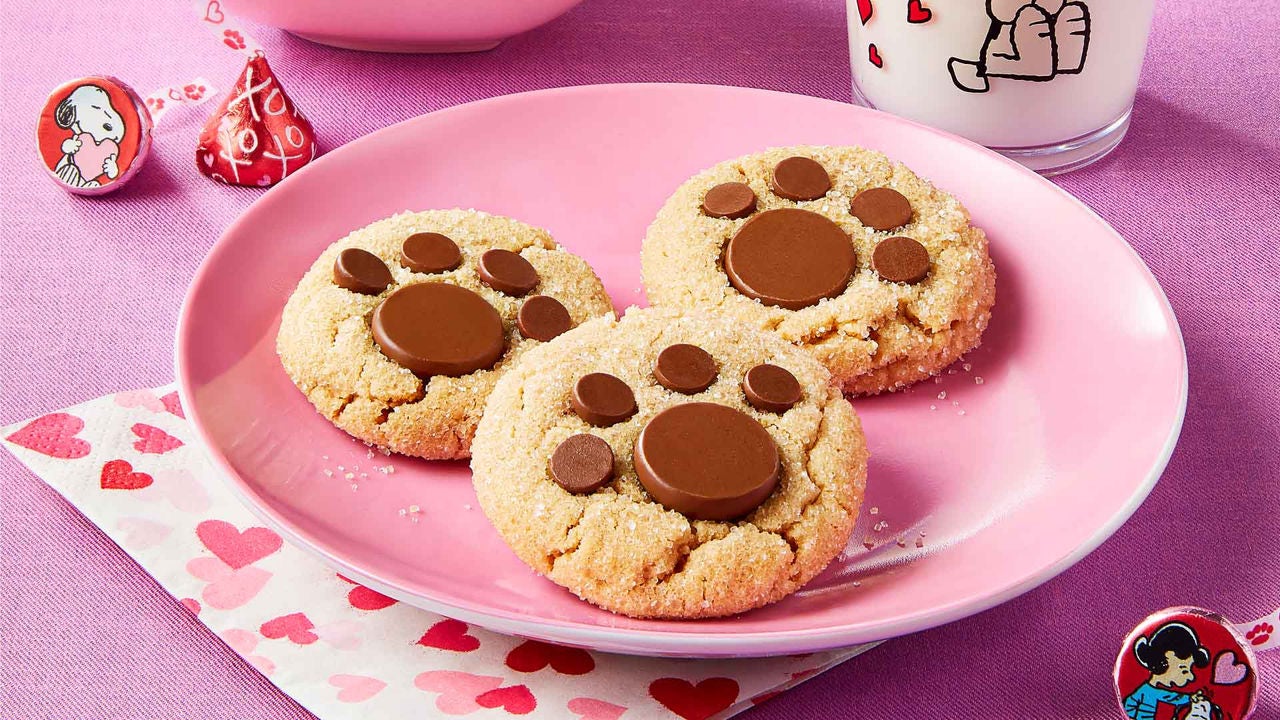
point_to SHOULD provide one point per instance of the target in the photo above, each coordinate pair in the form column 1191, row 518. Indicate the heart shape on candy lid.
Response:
column 257, row 136
column 91, row 156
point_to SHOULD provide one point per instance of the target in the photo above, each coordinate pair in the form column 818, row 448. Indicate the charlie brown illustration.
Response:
column 1034, row 40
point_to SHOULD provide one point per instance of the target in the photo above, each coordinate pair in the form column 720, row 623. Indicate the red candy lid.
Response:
column 1186, row 663
column 93, row 134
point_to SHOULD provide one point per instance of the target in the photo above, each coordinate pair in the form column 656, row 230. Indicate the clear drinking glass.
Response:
column 1049, row 83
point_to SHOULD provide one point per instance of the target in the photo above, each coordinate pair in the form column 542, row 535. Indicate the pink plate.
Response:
column 979, row 490
column 427, row 26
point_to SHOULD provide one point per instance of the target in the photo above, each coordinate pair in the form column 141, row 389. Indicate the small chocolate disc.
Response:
column 428, row 252
column 361, row 271
column 543, row 318
column 602, row 399
column 708, row 461
column 685, row 368
column 770, row 388
column 789, row 258
column 881, row 208
column 582, row 464
column 439, row 329
column 901, row 259
column 800, row 178
column 733, row 200
column 508, row 273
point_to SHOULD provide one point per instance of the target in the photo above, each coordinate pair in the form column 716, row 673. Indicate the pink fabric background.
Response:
column 91, row 292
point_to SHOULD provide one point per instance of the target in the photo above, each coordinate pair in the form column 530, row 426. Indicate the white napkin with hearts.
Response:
column 129, row 463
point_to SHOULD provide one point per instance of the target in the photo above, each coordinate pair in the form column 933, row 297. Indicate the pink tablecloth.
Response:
column 91, row 292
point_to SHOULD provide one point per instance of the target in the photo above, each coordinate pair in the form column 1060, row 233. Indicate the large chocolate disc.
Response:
column 789, row 258
column 439, row 329
column 708, row 461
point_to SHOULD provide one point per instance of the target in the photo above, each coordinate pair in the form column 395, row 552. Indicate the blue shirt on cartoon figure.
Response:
column 1142, row 704
column 1170, row 654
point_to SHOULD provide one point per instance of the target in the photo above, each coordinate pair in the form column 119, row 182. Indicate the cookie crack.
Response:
column 343, row 406
column 557, row 554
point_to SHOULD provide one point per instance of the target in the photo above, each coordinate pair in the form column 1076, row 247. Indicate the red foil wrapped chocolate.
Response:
column 258, row 136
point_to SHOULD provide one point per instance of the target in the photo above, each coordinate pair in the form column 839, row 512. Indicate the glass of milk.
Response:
column 1049, row 83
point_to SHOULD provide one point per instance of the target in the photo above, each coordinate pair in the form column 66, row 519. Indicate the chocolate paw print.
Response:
column 705, row 460
column 794, row 258
column 434, row 328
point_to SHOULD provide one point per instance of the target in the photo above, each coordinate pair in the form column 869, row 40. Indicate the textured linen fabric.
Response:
column 91, row 292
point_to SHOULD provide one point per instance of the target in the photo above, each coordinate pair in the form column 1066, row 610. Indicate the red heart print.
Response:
column 237, row 549
column 53, row 435
column 119, row 475
column 363, row 598
column 173, row 404
column 695, row 702
column 532, row 656
column 450, row 635
column 917, row 12
column 295, row 626
column 213, row 13
column 865, row 10
column 873, row 54
column 516, row 699
column 153, row 440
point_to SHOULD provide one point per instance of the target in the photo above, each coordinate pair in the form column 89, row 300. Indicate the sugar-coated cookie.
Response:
column 399, row 330
column 840, row 250
column 671, row 466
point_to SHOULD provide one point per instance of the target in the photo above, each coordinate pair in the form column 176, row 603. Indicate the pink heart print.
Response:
column 356, row 688
column 173, row 404
column 1227, row 671
column 244, row 642
column 152, row 440
column 237, row 549
column 458, row 690
column 180, row 488
column 341, row 634
column 228, row 587
column 141, row 534
column 53, row 435
column 92, row 154
column 593, row 709
column 139, row 398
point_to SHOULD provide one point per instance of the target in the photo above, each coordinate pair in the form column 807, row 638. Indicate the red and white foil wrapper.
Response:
column 194, row 93
column 258, row 136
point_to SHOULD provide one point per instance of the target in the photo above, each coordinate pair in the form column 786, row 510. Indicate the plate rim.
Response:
column 686, row 643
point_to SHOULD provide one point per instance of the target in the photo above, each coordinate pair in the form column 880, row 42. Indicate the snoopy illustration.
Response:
column 97, row 129
column 1034, row 40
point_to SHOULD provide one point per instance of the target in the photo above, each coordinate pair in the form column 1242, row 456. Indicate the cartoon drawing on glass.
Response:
column 1034, row 40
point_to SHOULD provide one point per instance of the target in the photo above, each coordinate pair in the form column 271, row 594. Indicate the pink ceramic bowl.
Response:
column 416, row 26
